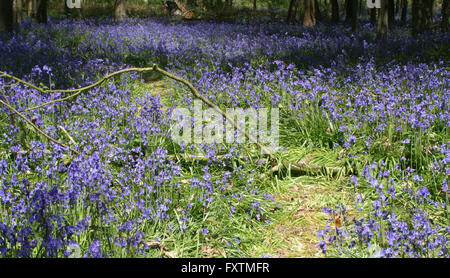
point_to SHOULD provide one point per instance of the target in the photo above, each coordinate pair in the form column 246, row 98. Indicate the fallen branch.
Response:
column 303, row 168
column 37, row 128
column 284, row 164
column 67, row 135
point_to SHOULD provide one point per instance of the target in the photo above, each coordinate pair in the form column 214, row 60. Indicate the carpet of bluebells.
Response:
column 383, row 105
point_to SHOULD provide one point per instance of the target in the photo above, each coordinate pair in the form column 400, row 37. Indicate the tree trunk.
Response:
column 119, row 10
column 309, row 13
column 29, row 7
column 404, row 11
column 348, row 10
column 318, row 14
column 334, row 11
column 373, row 15
column 296, row 16
column 40, row 11
column 354, row 16
column 6, row 15
column 422, row 16
column 291, row 14
column 383, row 20
column 445, row 12
column 416, row 10
column 17, row 11
column 391, row 12
column 254, row 5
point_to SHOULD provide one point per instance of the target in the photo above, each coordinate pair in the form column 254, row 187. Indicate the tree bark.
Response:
column 373, row 15
column 17, row 11
column 29, row 7
column 6, row 15
column 391, row 12
column 254, row 5
column 119, row 10
column 334, row 11
column 318, row 14
column 348, row 10
column 291, row 14
column 309, row 13
column 422, row 16
column 354, row 16
column 404, row 11
column 383, row 20
column 40, row 12
column 445, row 12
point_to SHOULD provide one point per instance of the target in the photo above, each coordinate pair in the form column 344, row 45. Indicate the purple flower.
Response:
column 204, row 231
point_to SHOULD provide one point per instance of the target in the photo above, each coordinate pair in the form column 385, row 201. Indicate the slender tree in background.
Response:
column 334, row 11
column 445, row 11
column 296, row 7
column 373, row 15
column 33, row 9
column 17, row 11
column 119, row 10
column 39, row 11
column 6, row 15
column 404, row 11
column 318, row 14
column 348, row 10
column 291, row 14
column 29, row 7
column 422, row 16
column 391, row 12
column 254, row 5
column 354, row 16
column 383, row 20
column 309, row 13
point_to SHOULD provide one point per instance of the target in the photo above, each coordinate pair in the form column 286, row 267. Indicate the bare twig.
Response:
column 37, row 128
column 67, row 135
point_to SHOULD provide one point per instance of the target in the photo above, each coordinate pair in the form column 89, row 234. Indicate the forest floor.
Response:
column 292, row 232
